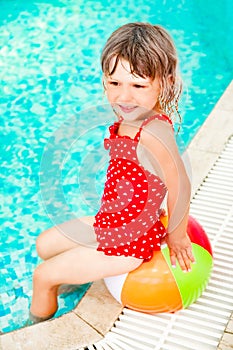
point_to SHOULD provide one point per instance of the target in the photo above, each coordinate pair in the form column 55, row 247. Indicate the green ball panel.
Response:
column 192, row 284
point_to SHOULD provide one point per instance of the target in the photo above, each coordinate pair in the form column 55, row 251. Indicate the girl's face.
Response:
column 131, row 96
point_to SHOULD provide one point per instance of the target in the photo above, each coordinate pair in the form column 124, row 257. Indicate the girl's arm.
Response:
column 159, row 142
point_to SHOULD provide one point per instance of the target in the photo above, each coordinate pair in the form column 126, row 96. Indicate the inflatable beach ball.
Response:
column 156, row 286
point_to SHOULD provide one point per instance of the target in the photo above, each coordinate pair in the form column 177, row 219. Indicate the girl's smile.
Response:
column 127, row 108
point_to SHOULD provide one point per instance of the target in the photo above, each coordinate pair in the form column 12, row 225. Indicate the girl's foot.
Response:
column 36, row 319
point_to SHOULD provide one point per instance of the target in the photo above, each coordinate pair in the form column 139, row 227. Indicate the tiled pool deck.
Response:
column 97, row 311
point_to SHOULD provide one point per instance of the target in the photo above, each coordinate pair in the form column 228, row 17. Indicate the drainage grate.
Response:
column 201, row 326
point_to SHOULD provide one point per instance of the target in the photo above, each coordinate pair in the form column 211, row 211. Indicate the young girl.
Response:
column 145, row 180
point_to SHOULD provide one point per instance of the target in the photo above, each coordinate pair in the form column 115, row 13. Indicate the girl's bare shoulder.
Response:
column 158, row 131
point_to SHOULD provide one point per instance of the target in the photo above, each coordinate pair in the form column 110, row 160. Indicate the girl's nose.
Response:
column 124, row 95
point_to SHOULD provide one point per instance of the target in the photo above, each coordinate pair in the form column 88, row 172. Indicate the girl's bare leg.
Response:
column 77, row 265
column 59, row 239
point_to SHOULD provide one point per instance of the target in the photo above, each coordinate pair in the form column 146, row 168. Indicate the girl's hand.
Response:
column 180, row 249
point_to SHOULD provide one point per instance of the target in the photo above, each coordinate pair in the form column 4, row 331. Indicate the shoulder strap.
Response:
column 162, row 117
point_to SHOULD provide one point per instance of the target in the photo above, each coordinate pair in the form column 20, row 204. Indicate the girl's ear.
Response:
column 170, row 79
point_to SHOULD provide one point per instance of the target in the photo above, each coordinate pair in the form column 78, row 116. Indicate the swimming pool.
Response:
column 49, row 59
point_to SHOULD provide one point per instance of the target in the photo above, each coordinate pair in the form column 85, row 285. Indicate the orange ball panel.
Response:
column 151, row 287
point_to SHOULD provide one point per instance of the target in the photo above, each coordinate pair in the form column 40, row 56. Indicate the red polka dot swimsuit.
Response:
column 127, row 222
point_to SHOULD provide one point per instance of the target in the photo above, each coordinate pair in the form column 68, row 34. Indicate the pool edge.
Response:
column 97, row 310
column 208, row 143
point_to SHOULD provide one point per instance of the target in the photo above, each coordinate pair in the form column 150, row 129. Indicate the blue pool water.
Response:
column 50, row 88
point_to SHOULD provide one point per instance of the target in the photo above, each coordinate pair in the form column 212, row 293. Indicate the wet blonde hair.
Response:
column 150, row 51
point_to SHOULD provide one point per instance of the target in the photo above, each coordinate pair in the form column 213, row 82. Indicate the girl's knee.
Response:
column 52, row 242
column 44, row 244
column 42, row 277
